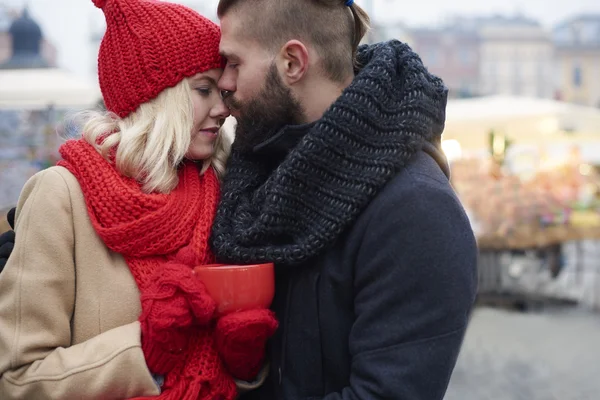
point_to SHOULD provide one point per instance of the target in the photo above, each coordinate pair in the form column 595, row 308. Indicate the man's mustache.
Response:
column 232, row 103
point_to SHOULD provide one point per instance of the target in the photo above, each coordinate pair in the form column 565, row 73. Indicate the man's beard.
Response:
column 264, row 115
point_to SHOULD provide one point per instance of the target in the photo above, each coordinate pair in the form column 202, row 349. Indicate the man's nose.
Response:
column 227, row 83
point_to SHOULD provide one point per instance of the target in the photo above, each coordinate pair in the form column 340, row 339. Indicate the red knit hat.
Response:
column 150, row 45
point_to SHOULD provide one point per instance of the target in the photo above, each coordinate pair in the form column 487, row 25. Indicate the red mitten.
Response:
column 172, row 303
column 163, row 349
column 241, row 338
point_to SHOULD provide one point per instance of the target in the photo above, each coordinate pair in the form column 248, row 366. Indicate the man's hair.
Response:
column 334, row 29
column 152, row 141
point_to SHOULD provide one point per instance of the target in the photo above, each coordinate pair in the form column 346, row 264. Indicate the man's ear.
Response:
column 294, row 61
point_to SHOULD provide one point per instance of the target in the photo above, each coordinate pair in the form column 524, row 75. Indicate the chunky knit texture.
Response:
column 151, row 45
column 162, row 237
column 295, row 211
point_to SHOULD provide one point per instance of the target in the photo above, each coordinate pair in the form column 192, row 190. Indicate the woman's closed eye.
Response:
column 204, row 91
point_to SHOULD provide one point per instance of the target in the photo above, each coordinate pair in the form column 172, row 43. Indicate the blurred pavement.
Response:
column 552, row 354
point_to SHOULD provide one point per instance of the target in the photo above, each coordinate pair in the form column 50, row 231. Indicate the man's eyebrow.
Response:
column 226, row 54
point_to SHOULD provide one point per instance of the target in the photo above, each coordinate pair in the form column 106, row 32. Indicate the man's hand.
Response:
column 7, row 240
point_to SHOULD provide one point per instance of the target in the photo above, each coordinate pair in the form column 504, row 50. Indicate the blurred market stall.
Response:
column 527, row 172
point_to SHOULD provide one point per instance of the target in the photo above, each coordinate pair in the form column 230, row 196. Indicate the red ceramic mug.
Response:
column 238, row 287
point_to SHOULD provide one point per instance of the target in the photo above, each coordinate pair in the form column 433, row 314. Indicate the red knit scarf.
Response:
column 148, row 230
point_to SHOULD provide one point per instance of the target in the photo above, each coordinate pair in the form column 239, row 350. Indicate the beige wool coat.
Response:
column 68, row 305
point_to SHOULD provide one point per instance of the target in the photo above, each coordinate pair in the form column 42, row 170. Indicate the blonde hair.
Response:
column 152, row 141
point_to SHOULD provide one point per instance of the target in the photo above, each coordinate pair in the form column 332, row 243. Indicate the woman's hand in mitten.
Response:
column 241, row 339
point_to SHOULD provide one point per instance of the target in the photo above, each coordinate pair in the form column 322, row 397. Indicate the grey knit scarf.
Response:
column 292, row 211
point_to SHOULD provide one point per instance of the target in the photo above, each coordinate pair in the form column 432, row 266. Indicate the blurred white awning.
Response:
column 40, row 88
column 524, row 120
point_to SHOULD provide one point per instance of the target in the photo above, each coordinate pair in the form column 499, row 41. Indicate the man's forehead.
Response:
column 228, row 37
column 228, row 48
column 236, row 46
column 237, row 41
column 228, row 23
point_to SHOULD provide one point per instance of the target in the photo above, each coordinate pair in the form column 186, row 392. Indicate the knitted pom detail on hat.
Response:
column 99, row 3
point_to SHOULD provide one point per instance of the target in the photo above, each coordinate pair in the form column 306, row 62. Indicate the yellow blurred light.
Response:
column 452, row 149
column 548, row 126
column 499, row 144
column 585, row 169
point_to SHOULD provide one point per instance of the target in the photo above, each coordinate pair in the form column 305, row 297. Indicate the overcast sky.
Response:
column 68, row 23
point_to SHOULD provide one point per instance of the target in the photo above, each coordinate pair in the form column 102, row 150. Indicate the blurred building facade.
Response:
column 382, row 32
column 516, row 58
column 20, row 23
column 488, row 56
column 577, row 42
column 453, row 54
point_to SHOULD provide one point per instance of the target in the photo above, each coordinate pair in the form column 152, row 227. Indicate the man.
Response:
column 336, row 174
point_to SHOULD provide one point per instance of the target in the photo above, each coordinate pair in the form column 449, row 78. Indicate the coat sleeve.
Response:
column 415, row 285
column 37, row 299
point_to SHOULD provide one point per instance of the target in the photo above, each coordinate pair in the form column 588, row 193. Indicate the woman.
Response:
column 99, row 300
